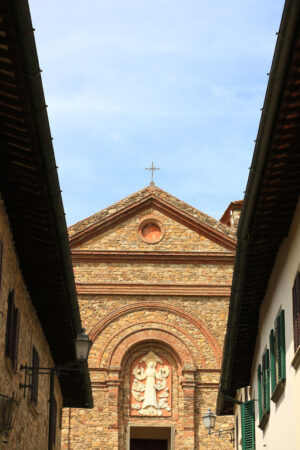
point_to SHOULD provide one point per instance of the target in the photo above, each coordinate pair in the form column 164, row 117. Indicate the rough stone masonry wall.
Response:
column 124, row 236
column 92, row 429
column 153, row 273
column 186, row 330
column 30, row 430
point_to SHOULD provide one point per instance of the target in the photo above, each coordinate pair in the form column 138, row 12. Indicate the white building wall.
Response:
column 283, row 428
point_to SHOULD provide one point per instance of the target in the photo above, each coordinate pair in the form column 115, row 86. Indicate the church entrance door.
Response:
column 148, row 444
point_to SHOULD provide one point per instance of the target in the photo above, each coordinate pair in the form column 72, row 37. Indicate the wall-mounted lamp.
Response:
column 8, row 409
column 82, row 348
column 209, row 420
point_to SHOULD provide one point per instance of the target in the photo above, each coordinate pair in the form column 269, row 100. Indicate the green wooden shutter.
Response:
column 272, row 362
column 259, row 392
column 266, row 381
column 248, row 425
column 296, row 311
column 281, row 346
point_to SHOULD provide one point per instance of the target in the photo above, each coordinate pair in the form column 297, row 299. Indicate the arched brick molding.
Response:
column 134, row 353
column 111, row 317
column 147, row 346
column 140, row 336
column 148, row 323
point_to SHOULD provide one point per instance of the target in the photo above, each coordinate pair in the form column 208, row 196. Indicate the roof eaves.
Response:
column 272, row 98
column 26, row 40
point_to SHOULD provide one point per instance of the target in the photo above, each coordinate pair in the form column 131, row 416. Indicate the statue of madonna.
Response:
column 150, row 389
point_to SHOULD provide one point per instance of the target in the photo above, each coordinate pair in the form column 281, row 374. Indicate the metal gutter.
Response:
column 269, row 111
column 32, row 73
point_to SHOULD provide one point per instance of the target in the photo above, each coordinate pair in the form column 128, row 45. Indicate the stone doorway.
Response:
column 141, row 437
column 148, row 444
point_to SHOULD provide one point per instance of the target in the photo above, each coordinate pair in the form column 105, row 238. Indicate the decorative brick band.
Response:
column 203, row 290
column 147, row 322
column 99, row 256
column 140, row 336
column 114, row 315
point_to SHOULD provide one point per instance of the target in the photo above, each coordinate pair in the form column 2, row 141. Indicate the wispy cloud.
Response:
column 178, row 82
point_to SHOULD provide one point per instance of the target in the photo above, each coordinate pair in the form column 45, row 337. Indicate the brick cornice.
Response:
column 99, row 256
column 160, row 205
column 199, row 290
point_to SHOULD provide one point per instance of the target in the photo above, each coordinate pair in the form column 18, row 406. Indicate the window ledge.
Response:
column 264, row 420
column 278, row 391
column 296, row 359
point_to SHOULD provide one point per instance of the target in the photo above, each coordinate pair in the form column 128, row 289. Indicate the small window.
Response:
column 248, row 425
column 12, row 331
column 296, row 311
column 35, row 376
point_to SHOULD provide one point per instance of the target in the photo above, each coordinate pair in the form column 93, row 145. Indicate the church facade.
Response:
column 153, row 278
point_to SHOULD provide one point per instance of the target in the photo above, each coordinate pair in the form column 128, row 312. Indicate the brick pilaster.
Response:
column 113, row 408
column 188, row 386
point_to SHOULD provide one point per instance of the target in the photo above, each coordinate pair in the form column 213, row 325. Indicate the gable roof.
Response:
column 270, row 200
column 152, row 196
column 30, row 189
column 233, row 206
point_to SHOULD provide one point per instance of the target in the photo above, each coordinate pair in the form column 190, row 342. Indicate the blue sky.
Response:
column 179, row 83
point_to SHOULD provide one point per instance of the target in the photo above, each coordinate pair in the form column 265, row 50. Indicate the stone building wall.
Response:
column 30, row 429
column 124, row 236
column 178, row 311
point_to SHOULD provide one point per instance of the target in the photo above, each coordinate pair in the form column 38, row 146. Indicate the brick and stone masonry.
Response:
column 31, row 424
column 153, row 274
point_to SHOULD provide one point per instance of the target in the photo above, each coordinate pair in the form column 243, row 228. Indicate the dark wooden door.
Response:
column 148, row 444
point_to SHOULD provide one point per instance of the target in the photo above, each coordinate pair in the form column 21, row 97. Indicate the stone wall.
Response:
column 153, row 273
column 177, row 237
column 30, row 429
column 183, row 329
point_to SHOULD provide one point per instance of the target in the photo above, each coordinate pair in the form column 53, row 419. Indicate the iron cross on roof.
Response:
column 152, row 168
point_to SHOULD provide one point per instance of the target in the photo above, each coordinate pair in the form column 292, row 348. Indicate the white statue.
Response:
column 150, row 406
column 150, row 390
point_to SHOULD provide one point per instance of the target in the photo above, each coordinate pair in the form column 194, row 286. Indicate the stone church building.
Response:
column 153, row 278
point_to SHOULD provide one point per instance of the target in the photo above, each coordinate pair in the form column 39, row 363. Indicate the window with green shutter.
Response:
column 296, row 311
column 277, row 357
column 260, row 408
column 263, row 375
column 280, row 346
column 272, row 361
column 248, row 425
column 266, row 382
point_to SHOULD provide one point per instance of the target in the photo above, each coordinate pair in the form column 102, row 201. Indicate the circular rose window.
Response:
column 151, row 231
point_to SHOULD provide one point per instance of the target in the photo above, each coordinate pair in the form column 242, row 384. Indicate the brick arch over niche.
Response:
column 151, row 345
column 144, row 336
column 147, row 324
column 170, row 358
column 111, row 317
